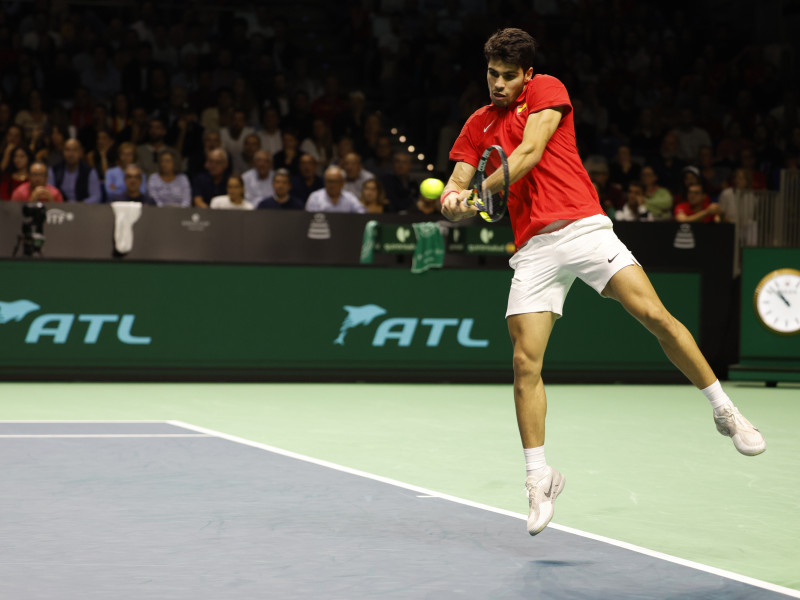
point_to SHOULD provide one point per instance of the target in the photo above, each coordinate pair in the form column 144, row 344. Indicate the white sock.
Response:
column 717, row 397
column 535, row 464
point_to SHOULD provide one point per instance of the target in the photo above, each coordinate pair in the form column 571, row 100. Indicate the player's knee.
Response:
column 659, row 321
column 526, row 365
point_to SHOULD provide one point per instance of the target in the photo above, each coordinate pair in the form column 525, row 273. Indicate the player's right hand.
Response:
column 455, row 206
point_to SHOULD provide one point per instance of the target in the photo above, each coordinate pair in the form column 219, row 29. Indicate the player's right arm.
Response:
column 455, row 194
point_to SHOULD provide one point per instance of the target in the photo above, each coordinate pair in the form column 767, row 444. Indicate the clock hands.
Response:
column 782, row 297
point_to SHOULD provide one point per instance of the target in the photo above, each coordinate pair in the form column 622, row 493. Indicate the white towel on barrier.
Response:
column 125, row 216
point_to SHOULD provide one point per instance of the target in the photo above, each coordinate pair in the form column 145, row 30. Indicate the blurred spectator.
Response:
column 333, row 197
column 33, row 116
column 355, row 174
column 233, row 137
column 787, row 114
column 16, row 173
column 623, row 170
column 133, row 188
column 87, row 135
column 331, row 104
column 747, row 161
column 252, row 144
column 634, row 208
column 732, row 144
column 646, row 135
column 12, row 141
column 691, row 176
column 714, row 175
column 80, row 113
column 212, row 182
column 147, row 154
column 245, row 100
column 611, row 196
column 197, row 160
column 737, row 205
column 424, row 207
column 307, row 180
column 36, row 189
column 657, row 200
column 121, row 120
column 401, row 190
column 351, row 121
column 271, row 137
column 102, row 79
column 103, row 156
column 300, row 116
column 690, row 137
column 168, row 186
column 234, row 199
column 373, row 196
column 258, row 181
column 289, row 157
column 667, row 164
column 282, row 198
column 381, row 162
column 74, row 178
column 320, row 144
column 115, row 176
column 698, row 208
column 214, row 118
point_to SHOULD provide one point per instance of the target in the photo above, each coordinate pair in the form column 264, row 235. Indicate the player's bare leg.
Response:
column 632, row 288
column 529, row 334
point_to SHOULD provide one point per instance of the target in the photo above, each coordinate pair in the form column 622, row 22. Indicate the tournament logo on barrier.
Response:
column 404, row 330
column 59, row 326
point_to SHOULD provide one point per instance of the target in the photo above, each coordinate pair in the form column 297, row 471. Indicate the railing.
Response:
column 768, row 218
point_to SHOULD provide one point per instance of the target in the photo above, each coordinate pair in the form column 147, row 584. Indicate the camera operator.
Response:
column 36, row 189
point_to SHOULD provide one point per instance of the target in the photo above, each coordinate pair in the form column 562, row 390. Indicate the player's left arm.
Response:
column 539, row 128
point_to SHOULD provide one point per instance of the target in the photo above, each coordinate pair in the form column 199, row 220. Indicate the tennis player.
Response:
column 561, row 233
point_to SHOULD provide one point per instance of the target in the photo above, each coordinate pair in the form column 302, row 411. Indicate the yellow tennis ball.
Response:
column 431, row 188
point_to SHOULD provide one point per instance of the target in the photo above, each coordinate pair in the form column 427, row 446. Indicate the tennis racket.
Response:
column 491, row 206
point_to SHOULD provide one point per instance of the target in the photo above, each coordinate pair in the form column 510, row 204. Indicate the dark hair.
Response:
column 512, row 46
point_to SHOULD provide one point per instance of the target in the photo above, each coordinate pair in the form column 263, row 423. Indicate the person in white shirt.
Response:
column 333, row 197
column 233, row 139
column 356, row 174
column 258, row 180
column 634, row 209
column 234, row 200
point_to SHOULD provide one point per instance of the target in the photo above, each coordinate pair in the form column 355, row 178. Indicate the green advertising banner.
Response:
column 300, row 321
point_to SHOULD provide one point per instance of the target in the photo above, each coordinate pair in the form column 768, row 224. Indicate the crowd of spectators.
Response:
column 285, row 106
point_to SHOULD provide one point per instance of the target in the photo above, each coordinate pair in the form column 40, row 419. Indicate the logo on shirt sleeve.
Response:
column 521, row 108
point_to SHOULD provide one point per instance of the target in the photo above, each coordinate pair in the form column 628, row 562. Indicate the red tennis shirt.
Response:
column 556, row 188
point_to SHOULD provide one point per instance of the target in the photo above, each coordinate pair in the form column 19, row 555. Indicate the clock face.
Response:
column 777, row 301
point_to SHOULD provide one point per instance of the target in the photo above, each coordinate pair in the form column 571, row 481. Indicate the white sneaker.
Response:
column 747, row 439
column 542, row 493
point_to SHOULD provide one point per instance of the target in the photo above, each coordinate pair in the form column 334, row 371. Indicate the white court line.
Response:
column 105, row 435
column 660, row 555
column 85, row 421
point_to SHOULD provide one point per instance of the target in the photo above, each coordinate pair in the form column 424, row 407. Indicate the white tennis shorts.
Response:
column 546, row 266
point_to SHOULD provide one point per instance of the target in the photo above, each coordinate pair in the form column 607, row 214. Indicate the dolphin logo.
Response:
column 17, row 310
column 358, row 315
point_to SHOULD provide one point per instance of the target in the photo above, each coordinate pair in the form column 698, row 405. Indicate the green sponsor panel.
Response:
column 489, row 241
column 281, row 319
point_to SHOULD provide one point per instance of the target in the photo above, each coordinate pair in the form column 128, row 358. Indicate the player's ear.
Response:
column 528, row 74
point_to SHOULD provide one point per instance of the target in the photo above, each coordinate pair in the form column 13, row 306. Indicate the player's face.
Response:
column 506, row 81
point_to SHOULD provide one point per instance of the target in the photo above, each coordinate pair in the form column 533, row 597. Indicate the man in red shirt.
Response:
column 699, row 207
column 36, row 189
column 561, row 233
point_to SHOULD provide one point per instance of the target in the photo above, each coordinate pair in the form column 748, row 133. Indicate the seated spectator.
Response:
column 74, row 178
column 634, row 208
column 623, row 170
column 714, row 175
column 213, row 181
column 36, row 189
column 333, row 197
column 320, row 144
column 147, row 154
column 271, row 136
column 169, row 187
column 103, row 156
column 657, row 200
column 289, row 157
column 115, row 176
column 133, row 188
column 234, row 199
column 667, row 165
column 732, row 144
column 16, row 173
column 13, row 139
column 611, row 196
column 424, row 207
column 381, row 163
column 87, row 135
column 690, row 136
column 252, row 144
column 373, row 196
column 747, row 161
column 52, row 151
column 258, row 180
column 401, row 190
column 233, row 137
column 33, row 117
column 197, row 160
column 698, row 208
column 307, row 181
column 738, row 206
column 691, row 176
column 355, row 173
column 282, row 198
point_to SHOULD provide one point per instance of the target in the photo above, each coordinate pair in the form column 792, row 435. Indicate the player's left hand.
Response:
column 455, row 206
